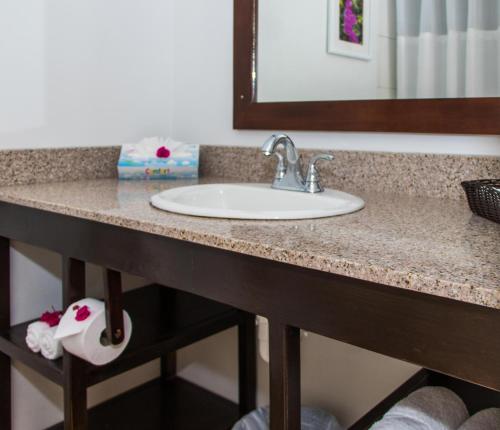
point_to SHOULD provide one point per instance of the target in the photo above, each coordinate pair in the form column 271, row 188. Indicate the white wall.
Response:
column 84, row 72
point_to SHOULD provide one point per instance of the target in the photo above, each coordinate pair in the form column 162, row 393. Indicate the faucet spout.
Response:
column 269, row 146
column 292, row 179
column 275, row 140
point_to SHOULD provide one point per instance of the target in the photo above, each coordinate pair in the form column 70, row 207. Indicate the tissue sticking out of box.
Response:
column 158, row 158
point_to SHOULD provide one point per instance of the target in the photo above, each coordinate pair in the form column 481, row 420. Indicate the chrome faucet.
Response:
column 289, row 177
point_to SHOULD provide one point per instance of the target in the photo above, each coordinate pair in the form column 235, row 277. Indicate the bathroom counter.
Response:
column 427, row 245
column 413, row 278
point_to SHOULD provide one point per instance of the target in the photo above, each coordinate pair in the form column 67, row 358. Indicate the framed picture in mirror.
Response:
column 350, row 28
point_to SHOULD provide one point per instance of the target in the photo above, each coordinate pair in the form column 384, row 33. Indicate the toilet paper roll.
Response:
column 82, row 333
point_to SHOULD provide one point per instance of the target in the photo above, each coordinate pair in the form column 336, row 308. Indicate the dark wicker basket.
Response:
column 484, row 198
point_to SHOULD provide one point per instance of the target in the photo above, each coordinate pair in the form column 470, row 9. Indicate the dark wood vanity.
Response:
column 211, row 289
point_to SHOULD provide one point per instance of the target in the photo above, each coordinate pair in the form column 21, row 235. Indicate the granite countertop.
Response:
column 424, row 244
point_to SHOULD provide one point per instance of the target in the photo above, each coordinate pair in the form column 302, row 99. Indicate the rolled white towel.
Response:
column 429, row 408
column 399, row 423
column 488, row 419
column 33, row 334
column 51, row 348
column 311, row 418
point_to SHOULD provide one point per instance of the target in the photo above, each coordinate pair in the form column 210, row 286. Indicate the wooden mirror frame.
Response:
column 462, row 116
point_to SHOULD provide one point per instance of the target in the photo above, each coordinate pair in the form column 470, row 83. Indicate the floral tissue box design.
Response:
column 156, row 158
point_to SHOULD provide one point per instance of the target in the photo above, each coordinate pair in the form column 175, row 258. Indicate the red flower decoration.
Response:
column 83, row 313
column 51, row 318
column 163, row 152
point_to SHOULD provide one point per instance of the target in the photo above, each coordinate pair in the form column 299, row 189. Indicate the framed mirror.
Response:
column 424, row 66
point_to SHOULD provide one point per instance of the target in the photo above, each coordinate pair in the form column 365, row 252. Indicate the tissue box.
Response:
column 139, row 161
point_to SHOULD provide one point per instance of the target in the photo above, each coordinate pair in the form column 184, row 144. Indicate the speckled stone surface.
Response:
column 421, row 175
column 429, row 245
column 29, row 166
column 408, row 174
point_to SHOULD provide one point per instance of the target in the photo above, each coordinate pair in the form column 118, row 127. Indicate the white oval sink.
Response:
column 254, row 201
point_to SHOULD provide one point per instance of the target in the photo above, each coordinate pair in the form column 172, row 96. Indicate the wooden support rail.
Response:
column 5, row 385
column 247, row 365
column 284, row 355
column 75, row 385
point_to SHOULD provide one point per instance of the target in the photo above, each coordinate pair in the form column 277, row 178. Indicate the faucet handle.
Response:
column 312, row 178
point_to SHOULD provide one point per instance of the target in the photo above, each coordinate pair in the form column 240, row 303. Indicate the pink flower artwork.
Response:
column 350, row 20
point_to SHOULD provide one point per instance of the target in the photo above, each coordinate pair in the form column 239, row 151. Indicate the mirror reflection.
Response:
column 377, row 49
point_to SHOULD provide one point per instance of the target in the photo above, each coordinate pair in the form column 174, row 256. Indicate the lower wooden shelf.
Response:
column 174, row 405
column 474, row 396
column 163, row 319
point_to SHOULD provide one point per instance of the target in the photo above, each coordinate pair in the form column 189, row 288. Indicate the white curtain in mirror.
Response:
column 448, row 48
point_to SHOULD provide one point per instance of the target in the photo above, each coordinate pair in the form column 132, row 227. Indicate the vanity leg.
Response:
column 284, row 355
column 5, row 385
column 168, row 361
column 169, row 365
column 75, row 383
column 247, row 364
